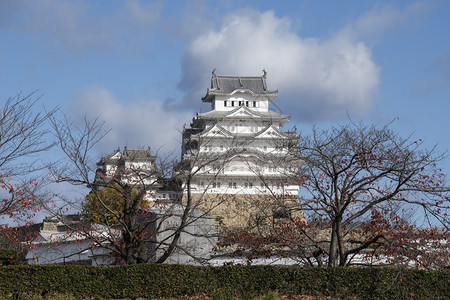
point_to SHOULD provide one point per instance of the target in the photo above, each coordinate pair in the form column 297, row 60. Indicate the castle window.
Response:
column 254, row 103
column 246, row 103
column 232, row 103
column 225, row 103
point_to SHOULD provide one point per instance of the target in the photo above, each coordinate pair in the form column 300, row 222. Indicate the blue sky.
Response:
column 144, row 65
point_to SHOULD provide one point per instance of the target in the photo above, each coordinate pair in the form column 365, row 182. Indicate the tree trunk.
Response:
column 332, row 255
column 333, row 259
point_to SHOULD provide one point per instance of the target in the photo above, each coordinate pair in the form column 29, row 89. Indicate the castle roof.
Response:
column 137, row 154
column 228, row 85
column 267, row 115
column 128, row 155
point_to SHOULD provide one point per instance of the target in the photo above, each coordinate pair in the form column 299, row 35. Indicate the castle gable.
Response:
column 243, row 111
column 216, row 131
column 270, row 132
column 116, row 155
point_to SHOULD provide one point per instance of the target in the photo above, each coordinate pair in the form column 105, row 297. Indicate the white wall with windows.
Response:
column 226, row 103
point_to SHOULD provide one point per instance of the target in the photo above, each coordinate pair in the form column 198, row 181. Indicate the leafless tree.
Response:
column 22, row 137
column 358, row 173
column 361, row 187
column 123, row 212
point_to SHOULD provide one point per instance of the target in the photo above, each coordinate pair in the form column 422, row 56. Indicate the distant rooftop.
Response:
column 128, row 155
column 137, row 154
column 227, row 85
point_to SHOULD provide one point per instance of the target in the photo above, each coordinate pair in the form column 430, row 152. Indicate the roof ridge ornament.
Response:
column 214, row 80
column 264, row 79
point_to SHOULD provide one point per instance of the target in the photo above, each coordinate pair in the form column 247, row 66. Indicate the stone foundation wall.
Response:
column 244, row 210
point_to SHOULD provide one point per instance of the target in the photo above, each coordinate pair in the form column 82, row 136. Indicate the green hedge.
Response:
column 152, row 281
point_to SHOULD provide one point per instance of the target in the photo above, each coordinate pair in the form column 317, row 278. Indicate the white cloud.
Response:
column 133, row 124
column 317, row 79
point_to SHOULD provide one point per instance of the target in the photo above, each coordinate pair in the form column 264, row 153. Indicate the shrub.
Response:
column 153, row 281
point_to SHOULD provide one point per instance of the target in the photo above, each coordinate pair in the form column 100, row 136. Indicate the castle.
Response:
column 238, row 167
column 233, row 157
column 237, row 154
column 237, row 163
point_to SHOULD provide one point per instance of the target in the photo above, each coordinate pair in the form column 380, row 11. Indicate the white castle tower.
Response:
column 239, row 148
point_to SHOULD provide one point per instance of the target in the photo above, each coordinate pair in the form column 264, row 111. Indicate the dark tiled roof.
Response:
column 226, row 85
column 129, row 155
column 137, row 154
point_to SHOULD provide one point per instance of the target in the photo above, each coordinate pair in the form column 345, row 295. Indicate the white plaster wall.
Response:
column 197, row 239
column 59, row 253
column 219, row 104
column 139, row 165
column 242, row 185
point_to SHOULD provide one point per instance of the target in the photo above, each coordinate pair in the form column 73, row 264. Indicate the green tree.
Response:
column 107, row 205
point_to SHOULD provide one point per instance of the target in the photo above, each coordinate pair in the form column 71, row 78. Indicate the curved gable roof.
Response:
column 245, row 112
column 216, row 130
column 270, row 130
